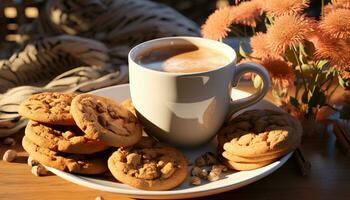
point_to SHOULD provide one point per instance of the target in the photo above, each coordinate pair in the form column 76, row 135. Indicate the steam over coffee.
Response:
column 182, row 58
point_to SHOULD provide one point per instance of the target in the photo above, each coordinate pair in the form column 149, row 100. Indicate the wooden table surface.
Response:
column 329, row 178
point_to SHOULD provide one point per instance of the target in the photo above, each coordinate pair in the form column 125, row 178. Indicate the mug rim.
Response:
column 135, row 49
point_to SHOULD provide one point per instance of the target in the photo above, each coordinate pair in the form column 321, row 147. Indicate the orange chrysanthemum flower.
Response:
column 217, row 25
column 345, row 74
column 259, row 45
column 336, row 4
column 335, row 50
column 340, row 1
column 281, row 72
column 287, row 31
column 246, row 13
column 333, row 6
column 282, row 7
column 337, row 23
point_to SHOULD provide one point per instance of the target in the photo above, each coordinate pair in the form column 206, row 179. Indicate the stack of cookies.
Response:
column 257, row 138
column 73, row 132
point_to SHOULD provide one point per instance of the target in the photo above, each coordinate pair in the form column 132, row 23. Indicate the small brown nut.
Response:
column 10, row 155
column 168, row 170
column 149, row 171
column 32, row 162
column 196, row 171
column 160, row 164
column 133, row 159
column 9, row 141
column 99, row 198
column 195, row 180
column 200, row 161
column 39, row 170
column 203, row 174
column 223, row 168
column 214, row 174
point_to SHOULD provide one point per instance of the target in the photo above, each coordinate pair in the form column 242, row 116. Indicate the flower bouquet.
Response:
column 308, row 59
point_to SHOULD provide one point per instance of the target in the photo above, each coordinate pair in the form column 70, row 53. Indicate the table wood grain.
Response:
column 329, row 177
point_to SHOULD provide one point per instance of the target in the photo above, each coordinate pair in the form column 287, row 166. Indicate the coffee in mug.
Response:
column 182, row 58
column 181, row 87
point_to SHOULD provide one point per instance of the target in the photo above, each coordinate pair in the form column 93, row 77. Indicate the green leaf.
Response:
column 342, row 82
column 305, row 97
column 309, row 49
column 242, row 52
column 290, row 57
column 257, row 82
column 318, row 98
column 294, row 102
column 276, row 93
column 321, row 63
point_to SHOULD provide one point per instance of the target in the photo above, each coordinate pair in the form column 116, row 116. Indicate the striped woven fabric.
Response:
column 79, row 46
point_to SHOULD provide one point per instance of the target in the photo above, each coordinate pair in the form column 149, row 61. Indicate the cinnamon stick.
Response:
column 343, row 136
column 303, row 164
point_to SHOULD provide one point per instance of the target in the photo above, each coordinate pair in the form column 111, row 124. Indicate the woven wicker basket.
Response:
column 76, row 46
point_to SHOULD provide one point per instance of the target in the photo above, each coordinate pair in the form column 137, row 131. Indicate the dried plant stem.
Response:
column 301, row 69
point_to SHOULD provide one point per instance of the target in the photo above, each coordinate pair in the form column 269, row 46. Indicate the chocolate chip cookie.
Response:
column 105, row 120
column 68, row 139
column 51, row 108
column 258, row 137
column 75, row 163
column 149, row 165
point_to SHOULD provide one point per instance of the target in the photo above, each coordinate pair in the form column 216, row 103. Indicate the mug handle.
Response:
column 241, row 69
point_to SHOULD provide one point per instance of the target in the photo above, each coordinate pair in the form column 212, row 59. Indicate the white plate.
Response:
column 229, row 181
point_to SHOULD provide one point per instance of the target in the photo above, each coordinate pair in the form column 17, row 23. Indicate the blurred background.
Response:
column 15, row 13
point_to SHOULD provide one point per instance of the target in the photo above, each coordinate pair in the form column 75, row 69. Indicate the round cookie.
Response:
column 80, row 164
column 68, row 139
column 258, row 133
column 235, row 158
column 129, row 105
column 149, row 166
column 105, row 120
column 51, row 108
column 241, row 166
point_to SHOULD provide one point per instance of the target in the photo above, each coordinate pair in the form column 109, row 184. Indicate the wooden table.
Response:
column 329, row 178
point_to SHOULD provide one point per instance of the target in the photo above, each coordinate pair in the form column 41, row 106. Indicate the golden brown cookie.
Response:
column 149, row 166
column 68, row 139
column 75, row 163
column 129, row 105
column 240, row 159
column 51, row 108
column 105, row 120
column 257, row 133
column 241, row 166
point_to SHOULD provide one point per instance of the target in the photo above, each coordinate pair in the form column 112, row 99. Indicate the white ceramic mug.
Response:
column 187, row 109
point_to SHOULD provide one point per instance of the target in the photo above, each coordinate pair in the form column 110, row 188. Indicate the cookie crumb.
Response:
column 215, row 173
column 39, row 170
column 32, row 162
column 10, row 155
column 203, row 174
column 99, row 198
column 196, row 171
column 195, row 180
column 9, row 141
column 222, row 167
